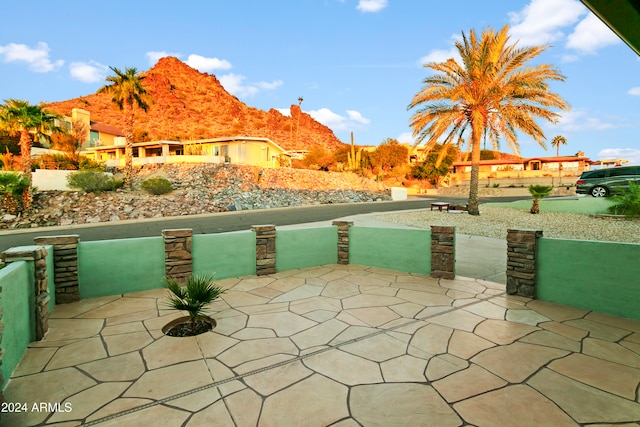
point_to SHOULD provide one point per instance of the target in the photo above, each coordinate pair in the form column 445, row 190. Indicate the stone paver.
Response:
column 334, row 345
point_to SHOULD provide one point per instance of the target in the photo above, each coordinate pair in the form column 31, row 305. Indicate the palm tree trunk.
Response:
column 476, row 134
column 128, row 149
column 25, row 154
column 535, row 207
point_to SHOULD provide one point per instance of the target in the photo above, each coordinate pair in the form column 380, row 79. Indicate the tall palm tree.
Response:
column 18, row 117
column 492, row 90
column 298, row 126
column 128, row 93
column 557, row 141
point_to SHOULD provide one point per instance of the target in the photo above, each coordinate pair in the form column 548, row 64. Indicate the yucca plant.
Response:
column 197, row 293
column 538, row 192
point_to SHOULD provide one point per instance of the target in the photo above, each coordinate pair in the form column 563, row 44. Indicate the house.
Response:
column 524, row 167
column 243, row 150
column 99, row 133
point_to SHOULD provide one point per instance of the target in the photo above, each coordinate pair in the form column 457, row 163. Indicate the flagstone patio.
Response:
column 334, row 345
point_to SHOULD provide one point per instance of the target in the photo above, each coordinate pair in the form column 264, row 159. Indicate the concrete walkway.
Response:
column 334, row 345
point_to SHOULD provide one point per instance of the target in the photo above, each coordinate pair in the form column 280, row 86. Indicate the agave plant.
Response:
column 538, row 192
column 197, row 293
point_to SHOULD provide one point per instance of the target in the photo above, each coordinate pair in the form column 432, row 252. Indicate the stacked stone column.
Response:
column 178, row 260
column 443, row 252
column 343, row 240
column 521, row 262
column 265, row 249
column 65, row 260
column 38, row 256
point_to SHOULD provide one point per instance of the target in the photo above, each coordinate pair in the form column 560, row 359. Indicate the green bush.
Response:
column 627, row 202
column 12, row 185
column 92, row 181
column 157, row 186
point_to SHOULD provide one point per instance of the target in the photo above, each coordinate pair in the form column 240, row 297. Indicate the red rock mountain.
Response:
column 189, row 104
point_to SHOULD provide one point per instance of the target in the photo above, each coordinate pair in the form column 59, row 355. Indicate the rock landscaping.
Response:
column 198, row 189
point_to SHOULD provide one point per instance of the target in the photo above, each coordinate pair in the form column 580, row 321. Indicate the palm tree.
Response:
column 128, row 93
column 557, row 141
column 492, row 90
column 538, row 192
column 298, row 126
column 18, row 117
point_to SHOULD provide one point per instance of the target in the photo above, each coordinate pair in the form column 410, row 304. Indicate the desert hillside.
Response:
column 189, row 104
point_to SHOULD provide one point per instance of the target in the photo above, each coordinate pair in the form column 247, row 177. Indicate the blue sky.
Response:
column 356, row 63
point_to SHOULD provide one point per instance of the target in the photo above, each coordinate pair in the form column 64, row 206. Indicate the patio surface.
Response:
column 335, row 345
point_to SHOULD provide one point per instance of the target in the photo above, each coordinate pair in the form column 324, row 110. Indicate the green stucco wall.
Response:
column 306, row 247
column 600, row 276
column 18, row 316
column 114, row 267
column 392, row 248
column 225, row 255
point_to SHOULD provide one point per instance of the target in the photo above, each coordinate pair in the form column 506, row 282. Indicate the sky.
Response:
column 356, row 63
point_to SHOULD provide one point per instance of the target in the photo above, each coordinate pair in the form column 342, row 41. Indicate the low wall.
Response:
column 114, row 267
column 308, row 247
column 392, row 248
column 48, row 180
column 16, row 300
column 225, row 255
column 600, row 276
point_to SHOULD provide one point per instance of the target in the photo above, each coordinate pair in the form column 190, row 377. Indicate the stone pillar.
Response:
column 38, row 256
column 65, row 261
column 265, row 249
column 521, row 262
column 443, row 252
column 343, row 240
column 178, row 262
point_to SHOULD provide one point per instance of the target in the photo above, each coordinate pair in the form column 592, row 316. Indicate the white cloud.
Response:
column 577, row 120
column 439, row 55
column 353, row 120
column 406, row 137
column 88, row 72
column 153, row 57
column 206, row 65
column 635, row 91
column 284, row 111
column 371, row 5
column 590, row 35
column 541, row 21
column 37, row 59
column 234, row 84
column 630, row 154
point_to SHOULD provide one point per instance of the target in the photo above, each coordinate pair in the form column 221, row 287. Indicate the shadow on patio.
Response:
column 334, row 345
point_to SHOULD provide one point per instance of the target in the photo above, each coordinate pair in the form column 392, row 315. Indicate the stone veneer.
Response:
column 443, row 252
column 265, row 249
column 521, row 262
column 65, row 261
column 178, row 259
column 343, row 240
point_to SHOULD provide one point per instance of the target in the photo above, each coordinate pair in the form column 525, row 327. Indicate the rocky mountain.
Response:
column 189, row 104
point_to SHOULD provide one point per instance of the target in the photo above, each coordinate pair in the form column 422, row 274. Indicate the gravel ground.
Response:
column 494, row 221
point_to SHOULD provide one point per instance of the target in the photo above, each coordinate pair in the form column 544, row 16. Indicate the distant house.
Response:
column 99, row 133
column 525, row 167
column 242, row 150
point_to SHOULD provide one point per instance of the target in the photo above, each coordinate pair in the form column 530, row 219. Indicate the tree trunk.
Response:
column 476, row 134
column 535, row 208
column 25, row 157
column 128, row 149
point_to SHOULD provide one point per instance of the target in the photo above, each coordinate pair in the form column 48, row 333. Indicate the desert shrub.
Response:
column 157, row 186
column 92, row 181
column 12, row 185
column 627, row 202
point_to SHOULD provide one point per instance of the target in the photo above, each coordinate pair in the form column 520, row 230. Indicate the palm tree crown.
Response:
column 18, row 117
column 128, row 93
column 490, row 92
